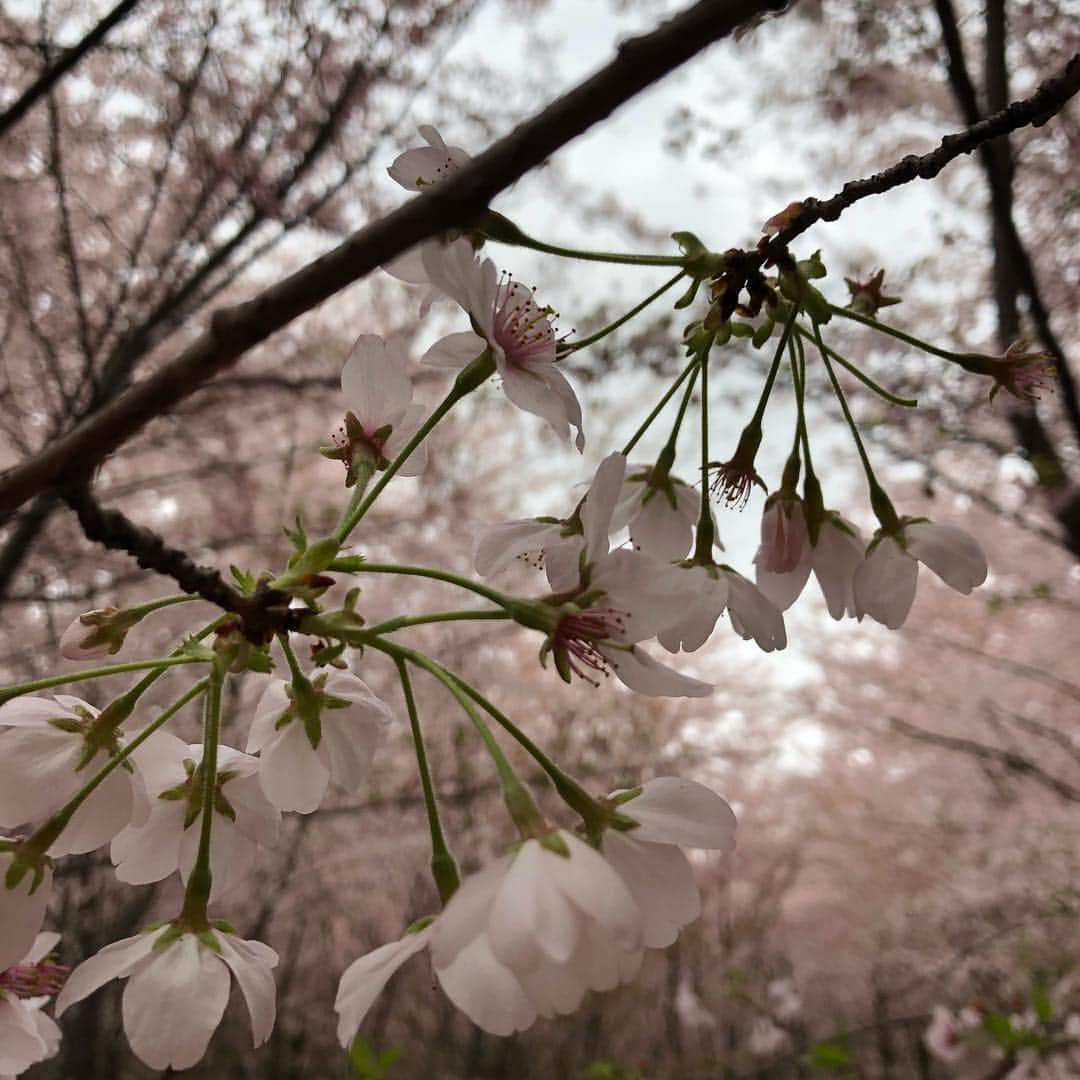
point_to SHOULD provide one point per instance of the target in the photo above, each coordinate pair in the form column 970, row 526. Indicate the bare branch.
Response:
column 1012, row 761
column 233, row 331
column 67, row 60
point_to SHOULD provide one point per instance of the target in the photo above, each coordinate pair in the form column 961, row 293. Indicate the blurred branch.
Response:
column 66, row 61
column 1009, row 759
column 1035, row 111
column 232, row 331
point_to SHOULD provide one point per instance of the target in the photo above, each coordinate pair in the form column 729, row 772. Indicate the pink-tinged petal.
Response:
column 529, row 920
column 661, row 530
column 649, row 595
column 554, row 989
column 599, row 506
column 404, row 430
column 885, row 584
column 454, row 350
column 102, row 816
column 637, row 670
column 364, row 979
column 21, row 912
column 531, row 389
column 953, row 554
column 20, row 1043
column 704, row 605
column 409, row 267
column 562, row 562
column 838, row 554
column 466, row 914
column 115, row 961
column 34, row 711
column 454, row 270
column 586, row 879
column 674, row 810
column 173, row 1005
column 661, row 881
column 272, row 706
column 375, row 384
column 291, row 773
column 485, row 990
column 422, row 166
column 37, row 772
column 784, row 537
column 753, row 614
column 499, row 545
column 252, row 963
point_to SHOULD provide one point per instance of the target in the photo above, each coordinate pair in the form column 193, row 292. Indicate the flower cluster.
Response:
column 634, row 567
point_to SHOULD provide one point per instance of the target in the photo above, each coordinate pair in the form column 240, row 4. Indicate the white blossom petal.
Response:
column 115, row 961
column 636, row 669
column 22, row 911
column 953, row 554
column 885, row 584
column 486, row 991
column 454, row 351
column 500, row 544
column 374, row 382
column 836, row 557
column 675, row 810
column 252, row 963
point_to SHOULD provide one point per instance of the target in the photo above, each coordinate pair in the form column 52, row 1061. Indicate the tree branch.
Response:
column 67, row 60
column 1012, row 761
column 233, row 331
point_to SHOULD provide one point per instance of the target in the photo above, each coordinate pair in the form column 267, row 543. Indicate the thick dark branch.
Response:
column 262, row 613
column 1012, row 761
column 1034, row 111
column 67, row 60
column 461, row 199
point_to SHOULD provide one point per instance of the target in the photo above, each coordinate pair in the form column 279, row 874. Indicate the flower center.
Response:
column 33, row 980
column 577, row 635
column 522, row 328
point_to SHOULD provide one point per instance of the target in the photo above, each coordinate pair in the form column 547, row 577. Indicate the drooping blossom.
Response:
column 711, row 590
column 517, row 330
column 671, row 813
column 177, row 989
column 48, row 752
column 22, row 908
column 382, row 415
column 551, row 543
column 787, row 554
column 299, row 757
column 868, row 297
column 660, row 514
column 527, row 936
column 734, row 479
column 27, row 1035
column 885, row 581
column 164, row 836
column 422, row 166
column 624, row 598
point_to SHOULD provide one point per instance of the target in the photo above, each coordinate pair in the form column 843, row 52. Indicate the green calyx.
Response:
column 27, row 859
column 192, row 792
column 307, row 700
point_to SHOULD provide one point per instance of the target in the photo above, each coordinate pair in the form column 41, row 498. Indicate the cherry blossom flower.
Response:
column 944, row 1038
column 527, row 936
column 660, row 514
column 49, row 751
column 711, row 590
column 164, row 836
column 787, row 555
column 533, row 932
column 382, row 417
column 27, row 1035
column 623, row 598
column 516, row 329
column 22, row 909
column 552, row 543
column 177, row 990
column 298, row 755
column 671, row 813
column 96, row 633
column 885, row 582
column 1019, row 371
column 422, row 166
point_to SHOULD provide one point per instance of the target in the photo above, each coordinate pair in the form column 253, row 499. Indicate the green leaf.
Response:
column 831, row 1055
column 244, row 579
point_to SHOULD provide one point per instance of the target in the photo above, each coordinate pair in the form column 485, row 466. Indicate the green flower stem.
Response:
column 46, row 836
column 470, row 377
column 519, row 802
column 164, row 602
column 439, row 575
column 900, row 335
column 290, row 659
column 668, row 395
column 403, row 621
column 444, row 868
column 705, row 535
column 161, row 663
column 611, row 327
column 364, row 474
column 197, row 894
column 667, row 455
column 506, row 232
column 879, row 501
column 892, row 399
column 766, row 390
